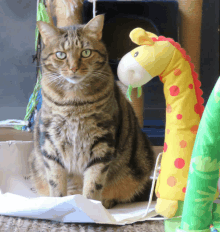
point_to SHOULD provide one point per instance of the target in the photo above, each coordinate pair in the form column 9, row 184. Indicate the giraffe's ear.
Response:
column 141, row 37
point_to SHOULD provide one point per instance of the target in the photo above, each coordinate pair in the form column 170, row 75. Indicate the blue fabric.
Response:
column 33, row 115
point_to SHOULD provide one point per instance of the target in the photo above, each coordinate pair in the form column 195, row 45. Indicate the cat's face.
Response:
column 74, row 54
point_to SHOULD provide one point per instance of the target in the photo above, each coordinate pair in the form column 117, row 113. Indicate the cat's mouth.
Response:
column 74, row 79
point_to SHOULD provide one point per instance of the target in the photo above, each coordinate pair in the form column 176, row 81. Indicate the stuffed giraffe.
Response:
column 160, row 56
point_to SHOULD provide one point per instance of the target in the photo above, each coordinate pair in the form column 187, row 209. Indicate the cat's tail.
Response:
column 66, row 12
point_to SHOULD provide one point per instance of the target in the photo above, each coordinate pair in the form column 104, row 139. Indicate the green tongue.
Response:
column 130, row 90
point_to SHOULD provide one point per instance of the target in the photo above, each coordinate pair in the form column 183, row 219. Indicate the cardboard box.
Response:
column 15, row 148
column 9, row 134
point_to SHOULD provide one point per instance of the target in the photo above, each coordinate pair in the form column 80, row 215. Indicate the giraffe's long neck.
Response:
column 175, row 69
column 179, row 90
column 183, row 112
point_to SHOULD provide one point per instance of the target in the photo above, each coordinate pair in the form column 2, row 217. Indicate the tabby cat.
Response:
column 86, row 137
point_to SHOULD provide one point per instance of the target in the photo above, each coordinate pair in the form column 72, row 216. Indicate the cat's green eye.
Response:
column 61, row 55
column 86, row 53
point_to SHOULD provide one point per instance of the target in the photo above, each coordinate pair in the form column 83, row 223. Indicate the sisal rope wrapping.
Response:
column 190, row 29
column 138, row 105
column 68, row 12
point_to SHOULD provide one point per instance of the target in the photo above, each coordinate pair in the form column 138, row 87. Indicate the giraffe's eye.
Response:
column 61, row 55
column 86, row 53
column 136, row 54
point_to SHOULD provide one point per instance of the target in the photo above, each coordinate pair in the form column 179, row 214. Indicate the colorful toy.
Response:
column 213, row 229
column 204, row 171
column 160, row 56
column 199, row 211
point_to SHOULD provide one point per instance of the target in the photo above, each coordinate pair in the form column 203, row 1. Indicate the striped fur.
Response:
column 86, row 138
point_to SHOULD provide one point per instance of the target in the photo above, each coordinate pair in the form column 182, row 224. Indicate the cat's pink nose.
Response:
column 74, row 69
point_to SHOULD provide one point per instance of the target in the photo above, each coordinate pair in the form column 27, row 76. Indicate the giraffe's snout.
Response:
column 130, row 72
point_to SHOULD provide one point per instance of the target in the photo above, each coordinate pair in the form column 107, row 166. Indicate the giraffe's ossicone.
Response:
column 160, row 56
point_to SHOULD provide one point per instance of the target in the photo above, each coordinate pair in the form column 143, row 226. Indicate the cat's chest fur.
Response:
column 73, row 138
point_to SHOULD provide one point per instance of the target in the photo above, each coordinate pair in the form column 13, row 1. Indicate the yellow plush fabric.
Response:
column 167, row 208
column 181, row 126
column 184, row 108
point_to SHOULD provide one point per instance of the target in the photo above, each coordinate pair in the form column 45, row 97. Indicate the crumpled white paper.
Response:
column 19, row 199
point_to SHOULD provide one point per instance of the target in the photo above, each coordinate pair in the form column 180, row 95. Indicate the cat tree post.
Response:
column 138, row 105
column 68, row 12
column 190, row 29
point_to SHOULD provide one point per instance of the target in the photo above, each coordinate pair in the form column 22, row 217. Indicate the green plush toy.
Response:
column 200, row 213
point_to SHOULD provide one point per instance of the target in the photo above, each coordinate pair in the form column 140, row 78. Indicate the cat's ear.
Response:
column 47, row 31
column 94, row 27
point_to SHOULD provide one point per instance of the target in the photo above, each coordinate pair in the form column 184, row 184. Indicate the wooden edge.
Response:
column 7, row 134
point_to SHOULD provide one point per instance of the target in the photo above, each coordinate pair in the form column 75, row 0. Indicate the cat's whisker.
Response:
column 41, row 65
column 100, row 73
column 52, row 73
column 48, row 76
column 100, row 78
column 54, row 79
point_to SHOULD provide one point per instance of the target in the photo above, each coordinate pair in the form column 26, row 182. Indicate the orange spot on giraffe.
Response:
column 184, row 190
column 179, row 116
column 177, row 72
column 191, row 86
column 158, row 195
column 194, row 129
column 179, row 163
column 171, row 181
column 169, row 108
column 183, row 144
column 165, row 147
column 174, row 90
column 168, row 131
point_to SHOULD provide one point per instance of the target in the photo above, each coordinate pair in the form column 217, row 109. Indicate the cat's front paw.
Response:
column 93, row 191
column 74, row 192
column 108, row 204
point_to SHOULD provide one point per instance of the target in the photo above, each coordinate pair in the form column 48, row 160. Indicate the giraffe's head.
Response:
column 146, row 61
